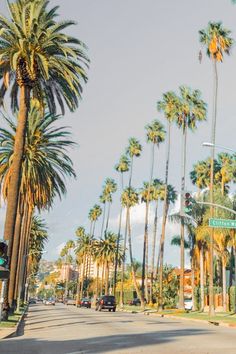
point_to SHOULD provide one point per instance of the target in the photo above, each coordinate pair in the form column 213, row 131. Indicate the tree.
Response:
column 170, row 197
column 37, row 60
column 129, row 199
column 133, row 150
column 190, row 110
column 217, row 41
column 94, row 214
column 46, row 163
column 155, row 135
column 122, row 166
column 109, row 188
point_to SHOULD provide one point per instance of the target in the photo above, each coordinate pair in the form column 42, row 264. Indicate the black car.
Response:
column 85, row 302
column 135, row 302
column 106, row 302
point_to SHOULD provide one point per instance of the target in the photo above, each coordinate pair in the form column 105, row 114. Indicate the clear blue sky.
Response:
column 138, row 50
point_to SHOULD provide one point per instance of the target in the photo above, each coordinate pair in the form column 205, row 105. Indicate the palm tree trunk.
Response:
column 183, row 167
column 139, row 294
column 15, row 253
column 15, row 180
column 145, row 245
column 154, row 240
column 107, row 278
column 202, row 277
column 224, row 285
column 213, row 137
column 82, row 278
column 108, row 217
column 118, row 239
column 102, row 282
column 97, row 280
column 193, row 283
column 123, row 261
column 103, row 219
column 165, row 212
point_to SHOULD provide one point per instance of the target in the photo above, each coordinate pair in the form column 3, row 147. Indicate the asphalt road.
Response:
column 68, row 330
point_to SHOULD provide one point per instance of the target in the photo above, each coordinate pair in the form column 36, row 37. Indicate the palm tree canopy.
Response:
column 134, row 148
column 168, row 105
column 35, row 52
column 80, row 232
column 155, row 132
column 190, row 108
column 45, row 159
column 129, row 197
column 158, row 191
column 147, row 192
column 123, row 164
column 217, row 40
column 95, row 212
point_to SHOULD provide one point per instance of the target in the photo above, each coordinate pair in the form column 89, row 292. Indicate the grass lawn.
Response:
column 221, row 316
column 12, row 320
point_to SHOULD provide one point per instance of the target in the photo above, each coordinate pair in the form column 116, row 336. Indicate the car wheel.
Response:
column 109, row 310
column 114, row 310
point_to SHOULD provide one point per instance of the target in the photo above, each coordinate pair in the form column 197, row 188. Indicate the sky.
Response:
column 139, row 49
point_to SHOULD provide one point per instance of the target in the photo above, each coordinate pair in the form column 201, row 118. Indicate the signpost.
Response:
column 222, row 223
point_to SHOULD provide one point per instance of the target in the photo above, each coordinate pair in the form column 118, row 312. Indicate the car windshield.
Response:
column 86, row 299
column 109, row 298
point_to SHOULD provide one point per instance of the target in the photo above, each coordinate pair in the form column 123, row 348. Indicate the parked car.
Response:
column 188, row 304
column 70, row 302
column 85, row 302
column 50, row 302
column 32, row 302
column 135, row 302
column 106, row 302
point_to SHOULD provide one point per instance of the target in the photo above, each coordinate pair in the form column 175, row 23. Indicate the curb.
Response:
column 16, row 328
column 207, row 322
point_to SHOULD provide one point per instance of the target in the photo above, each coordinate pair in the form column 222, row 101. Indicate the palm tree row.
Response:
column 41, row 68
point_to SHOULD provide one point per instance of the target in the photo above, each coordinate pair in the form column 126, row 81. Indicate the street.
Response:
column 68, row 330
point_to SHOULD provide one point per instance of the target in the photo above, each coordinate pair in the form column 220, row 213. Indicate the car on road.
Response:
column 32, row 302
column 134, row 302
column 188, row 304
column 70, row 302
column 106, row 302
column 49, row 302
column 85, row 302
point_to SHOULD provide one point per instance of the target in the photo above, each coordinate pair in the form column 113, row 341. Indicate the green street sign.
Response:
column 222, row 223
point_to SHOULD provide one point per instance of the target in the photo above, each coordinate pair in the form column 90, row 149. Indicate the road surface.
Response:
column 68, row 330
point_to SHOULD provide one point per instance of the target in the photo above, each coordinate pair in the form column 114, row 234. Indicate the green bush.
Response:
column 232, row 298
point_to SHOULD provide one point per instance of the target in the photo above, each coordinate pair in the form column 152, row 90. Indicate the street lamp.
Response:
column 206, row 144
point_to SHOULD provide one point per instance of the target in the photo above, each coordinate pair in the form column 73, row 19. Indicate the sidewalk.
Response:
column 11, row 331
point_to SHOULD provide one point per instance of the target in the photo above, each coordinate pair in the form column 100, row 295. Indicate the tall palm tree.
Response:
column 94, row 215
column 170, row 197
column 46, row 163
column 129, row 199
column 217, row 41
column 66, row 253
column 133, row 150
column 155, row 135
column 121, row 167
column 190, row 110
column 158, row 193
column 37, row 60
column 109, row 188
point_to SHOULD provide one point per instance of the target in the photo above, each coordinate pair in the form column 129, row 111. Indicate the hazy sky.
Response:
column 139, row 49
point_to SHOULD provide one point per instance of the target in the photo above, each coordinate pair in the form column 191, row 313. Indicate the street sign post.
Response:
column 222, row 223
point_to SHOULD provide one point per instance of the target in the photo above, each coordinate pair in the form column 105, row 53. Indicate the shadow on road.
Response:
column 95, row 345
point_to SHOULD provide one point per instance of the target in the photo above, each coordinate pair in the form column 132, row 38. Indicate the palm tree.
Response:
column 109, row 188
column 37, row 61
column 68, row 259
column 45, row 164
column 217, row 41
column 190, row 109
column 170, row 197
column 168, row 107
column 158, row 193
column 122, row 166
column 94, row 214
column 155, row 136
column 83, row 250
column 133, row 150
column 129, row 199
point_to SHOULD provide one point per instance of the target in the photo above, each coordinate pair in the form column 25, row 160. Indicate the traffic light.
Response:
column 3, row 254
column 188, row 203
